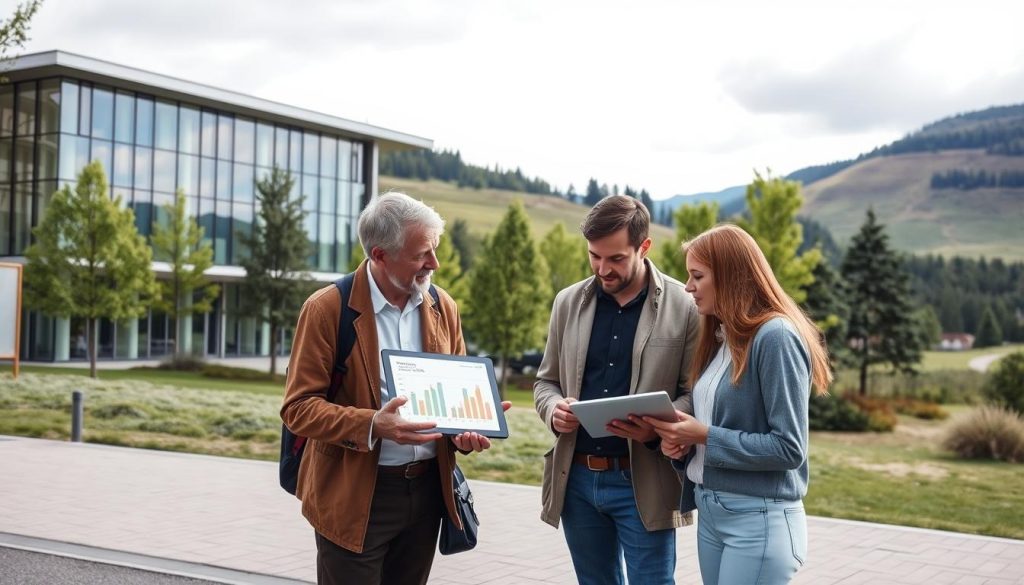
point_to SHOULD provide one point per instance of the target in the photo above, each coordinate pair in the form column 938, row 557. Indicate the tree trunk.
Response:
column 864, row 370
column 273, row 350
column 90, row 329
column 504, row 377
column 177, row 324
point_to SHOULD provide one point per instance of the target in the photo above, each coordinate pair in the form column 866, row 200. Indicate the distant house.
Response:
column 956, row 341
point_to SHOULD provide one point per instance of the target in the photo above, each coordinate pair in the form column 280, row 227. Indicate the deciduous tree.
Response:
column 508, row 289
column 88, row 259
column 690, row 220
column 566, row 257
column 773, row 204
column 180, row 243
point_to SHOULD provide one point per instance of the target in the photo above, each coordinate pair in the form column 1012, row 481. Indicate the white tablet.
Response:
column 595, row 414
column 457, row 392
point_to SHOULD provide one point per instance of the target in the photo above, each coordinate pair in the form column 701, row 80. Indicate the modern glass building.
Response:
column 154, row 135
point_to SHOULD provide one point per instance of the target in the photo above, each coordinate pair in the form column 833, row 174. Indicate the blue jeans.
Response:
column 747, row 539
column 602, row 526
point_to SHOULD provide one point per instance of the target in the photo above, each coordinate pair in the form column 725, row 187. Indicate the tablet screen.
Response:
column 458, row 393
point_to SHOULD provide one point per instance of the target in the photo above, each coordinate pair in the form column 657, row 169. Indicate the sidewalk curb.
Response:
column 141, row 562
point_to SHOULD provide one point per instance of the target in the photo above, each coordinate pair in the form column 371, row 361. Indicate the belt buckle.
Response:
column 592, row 467
column 411, row 469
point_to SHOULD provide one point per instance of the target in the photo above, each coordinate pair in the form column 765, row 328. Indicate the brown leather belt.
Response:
column 409, row 470
column 598, row 463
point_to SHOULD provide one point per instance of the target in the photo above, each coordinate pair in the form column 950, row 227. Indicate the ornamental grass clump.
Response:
column 988, row 432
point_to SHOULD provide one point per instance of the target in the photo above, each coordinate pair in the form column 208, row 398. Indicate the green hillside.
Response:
column 979, row 222
column 482, row 208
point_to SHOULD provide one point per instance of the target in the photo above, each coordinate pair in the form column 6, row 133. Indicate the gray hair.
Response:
column 384, row 221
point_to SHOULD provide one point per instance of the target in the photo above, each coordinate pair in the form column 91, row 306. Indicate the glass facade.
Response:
column 150, row 147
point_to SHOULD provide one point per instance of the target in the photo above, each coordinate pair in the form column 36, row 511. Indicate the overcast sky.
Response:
column 673, row 96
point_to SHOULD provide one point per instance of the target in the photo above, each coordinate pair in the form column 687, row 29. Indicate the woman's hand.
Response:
column 674, row 450
column 685, row 430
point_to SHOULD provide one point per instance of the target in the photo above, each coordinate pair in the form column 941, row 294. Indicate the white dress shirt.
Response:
column 397, row 329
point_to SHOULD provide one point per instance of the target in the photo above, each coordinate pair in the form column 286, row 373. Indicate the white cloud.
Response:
column 671, row 96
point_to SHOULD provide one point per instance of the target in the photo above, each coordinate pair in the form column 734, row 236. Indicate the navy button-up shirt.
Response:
column 609, row 364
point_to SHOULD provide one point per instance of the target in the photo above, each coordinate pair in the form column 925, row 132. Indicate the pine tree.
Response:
column 277, row 267
column 88, row 259
column 882, row 328
column 690, row 220
column 508, row 289
column 929, row 326
column 566, row 257
column 773, row 204
column 180, row 244
column 593, row 193
column 826, row 304
column 989, row 332
column 464, row 243
column 645, row 198
column 449, row 274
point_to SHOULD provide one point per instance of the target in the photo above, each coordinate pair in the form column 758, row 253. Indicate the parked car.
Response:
column 527, row 363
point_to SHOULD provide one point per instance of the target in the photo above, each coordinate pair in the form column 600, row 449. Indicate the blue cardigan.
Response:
column 757, row 440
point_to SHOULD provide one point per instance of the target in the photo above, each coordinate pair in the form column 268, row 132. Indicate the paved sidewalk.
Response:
column 230, row 513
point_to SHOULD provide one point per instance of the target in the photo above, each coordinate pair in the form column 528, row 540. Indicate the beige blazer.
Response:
column 666, row 337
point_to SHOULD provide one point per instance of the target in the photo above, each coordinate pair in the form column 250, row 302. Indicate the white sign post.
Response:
column 10, row 312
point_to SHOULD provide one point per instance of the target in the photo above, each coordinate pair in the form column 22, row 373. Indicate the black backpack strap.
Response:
column 346, row 331
column 433, row 295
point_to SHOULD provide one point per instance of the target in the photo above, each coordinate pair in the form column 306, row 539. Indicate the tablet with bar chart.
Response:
column 457, row 392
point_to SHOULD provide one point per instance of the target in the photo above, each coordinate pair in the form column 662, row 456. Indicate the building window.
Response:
column 7, row 110
column 264, row 145
column 245, row 140
column 225, row 131
column 144, row 122
column 208, row 134
column 49, row 106
column 26, row 106
column 124, row 117
column 166, row 126
column 188, row 130
column 103, row 114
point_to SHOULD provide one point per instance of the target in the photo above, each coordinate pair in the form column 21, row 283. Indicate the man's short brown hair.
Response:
column 611, row 214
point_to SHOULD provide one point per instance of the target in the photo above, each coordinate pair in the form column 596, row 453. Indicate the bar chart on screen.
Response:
column 454, row 394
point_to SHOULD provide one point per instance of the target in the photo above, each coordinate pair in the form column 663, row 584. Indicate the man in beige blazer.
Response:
column 626, row 330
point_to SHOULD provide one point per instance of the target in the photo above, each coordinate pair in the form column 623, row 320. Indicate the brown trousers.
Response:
column 401, row 537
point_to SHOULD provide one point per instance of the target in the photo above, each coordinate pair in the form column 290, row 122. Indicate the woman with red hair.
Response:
column 742, row 457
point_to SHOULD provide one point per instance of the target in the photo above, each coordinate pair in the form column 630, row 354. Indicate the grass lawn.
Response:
column 161, row 377
column 896, row 478
column 905, row 478
column 959, row 360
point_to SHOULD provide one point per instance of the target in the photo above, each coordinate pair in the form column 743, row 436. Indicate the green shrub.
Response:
column 920, row 409
column 245, row 426
column 1005, row 385
column 183, row 363
column 173, row 427
column 231, row 373
column 881, row 417
column 941, row 386
column 835, row 413
column 118, row 410
column 988, row 432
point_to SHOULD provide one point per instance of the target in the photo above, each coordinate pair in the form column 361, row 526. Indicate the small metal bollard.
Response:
column 76, row 416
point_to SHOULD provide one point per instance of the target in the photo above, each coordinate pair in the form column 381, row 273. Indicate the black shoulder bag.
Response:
column 453, row 539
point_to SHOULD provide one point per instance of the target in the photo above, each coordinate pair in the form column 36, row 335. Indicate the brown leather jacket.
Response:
column 338, row 472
